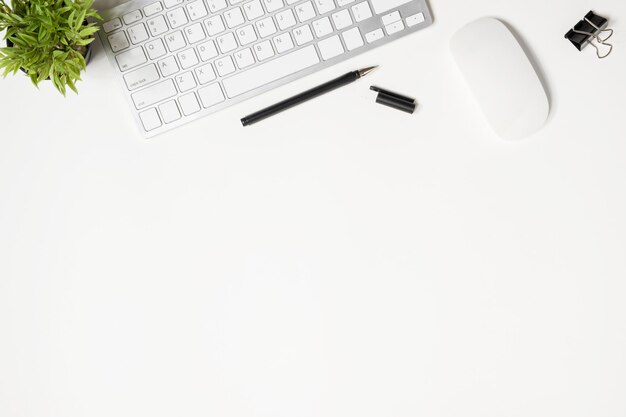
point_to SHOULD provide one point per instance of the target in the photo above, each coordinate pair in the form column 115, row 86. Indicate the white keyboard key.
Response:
column 185, row 81
column 342, row 3
column 283, row 42
column 253, row 9
column 225, row 66
column 207, row 50
column 285, row 19
column 216, row 5
column 214, row 25
column 140, row 77
column 227, row 42
column 244, row 58
column 177, row 18
column 302, row 35
column 394, row 27
column 138, row 33
column 171, row 3
column 196, row 10
column 415, row 19
column 205, row 73
column 155, row 49
column 175, row 41
column 169, row 111
column 157, row 25
column 132, row 17
column 330, row 48
column 390, row 18
column 270, row 71
column 266, row 27
column 153, row 8
column 118, row 41
column 187, row 58
column 352, row 39
column 361, row 11
column 112, row 25
column 211, row 95
column 168, row 66
column 342, row 19
column 305, row 11
column 234, row 17
column 273, row 5
column 292, row 1
column 324, row 6
column 153, row 94
column 322, row 27
column 150, row 119
column 189, row 104
column 374, row 35
column 194, row 33
column 246, row 35
column 131, row 58
column 263, row 50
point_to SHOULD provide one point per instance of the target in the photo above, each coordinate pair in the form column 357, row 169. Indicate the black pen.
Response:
column 305, row 96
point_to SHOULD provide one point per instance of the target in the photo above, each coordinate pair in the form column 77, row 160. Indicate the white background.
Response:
column 340, row 259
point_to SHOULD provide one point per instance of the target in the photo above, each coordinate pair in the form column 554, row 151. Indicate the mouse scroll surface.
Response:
column 501, row 77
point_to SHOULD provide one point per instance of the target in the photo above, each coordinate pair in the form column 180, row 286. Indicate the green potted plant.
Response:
column 47, row 39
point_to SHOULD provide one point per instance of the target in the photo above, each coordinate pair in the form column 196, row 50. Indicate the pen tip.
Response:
column 367, row 70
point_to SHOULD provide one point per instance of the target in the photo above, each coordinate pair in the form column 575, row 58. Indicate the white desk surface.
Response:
column 341, row 259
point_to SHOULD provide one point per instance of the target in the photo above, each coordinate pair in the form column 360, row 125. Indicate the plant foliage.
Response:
column 49, row 38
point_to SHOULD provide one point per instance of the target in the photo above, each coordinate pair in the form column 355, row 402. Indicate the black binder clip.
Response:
column 394, row 100
column 589, row 32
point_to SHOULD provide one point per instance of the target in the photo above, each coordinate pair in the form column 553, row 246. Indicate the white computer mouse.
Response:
column 501, row 77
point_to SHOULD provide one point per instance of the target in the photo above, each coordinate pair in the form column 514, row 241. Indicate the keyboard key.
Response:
column 283, row 42
column 394, row 27
column 175, row 41
column 352, row 38
column 225, row 66
column 153, row 8
column 140, row 77
column 138, row 33
column 302, row 35
column 187, row 58
column 342, row 19
column 374, row 35
column 214, row 25
column 185, row 81
column 169, row 111
column 244, row 58
column 390, row 18
column 234, row 17
column 285, row 19
column 330, row 48
column 189, row 104
column 263, row 50
column 168, row 66
column 118, row 41
column 227, row 42
column 216, row 5
column 292, row 1
column 253, row 9
column 153, row 94
column 131, row 58
column 150, row 119
column 157, row 25
column 111, row 25
column 196, row 10
column 132, row 17
column 266, row 27
column 342, row 3
column 361, row 11
column 207, row 50
column 324, row 6
column 322, row 27
column 246, row 35
column 155, row 49
column 194, row 33
column 305, row 11
column 415, row 19
column 177, row 18
column 273, row 5
column 273, row 70
column 205, row 73
column 211, row 95
column 171, row 3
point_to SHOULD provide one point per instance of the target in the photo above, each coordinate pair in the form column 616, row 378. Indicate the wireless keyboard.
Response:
column 179, row 60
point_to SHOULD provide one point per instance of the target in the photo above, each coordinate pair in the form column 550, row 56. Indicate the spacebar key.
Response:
column 271, row 71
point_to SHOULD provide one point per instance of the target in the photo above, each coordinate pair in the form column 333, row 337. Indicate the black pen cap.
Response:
column 394, row 100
